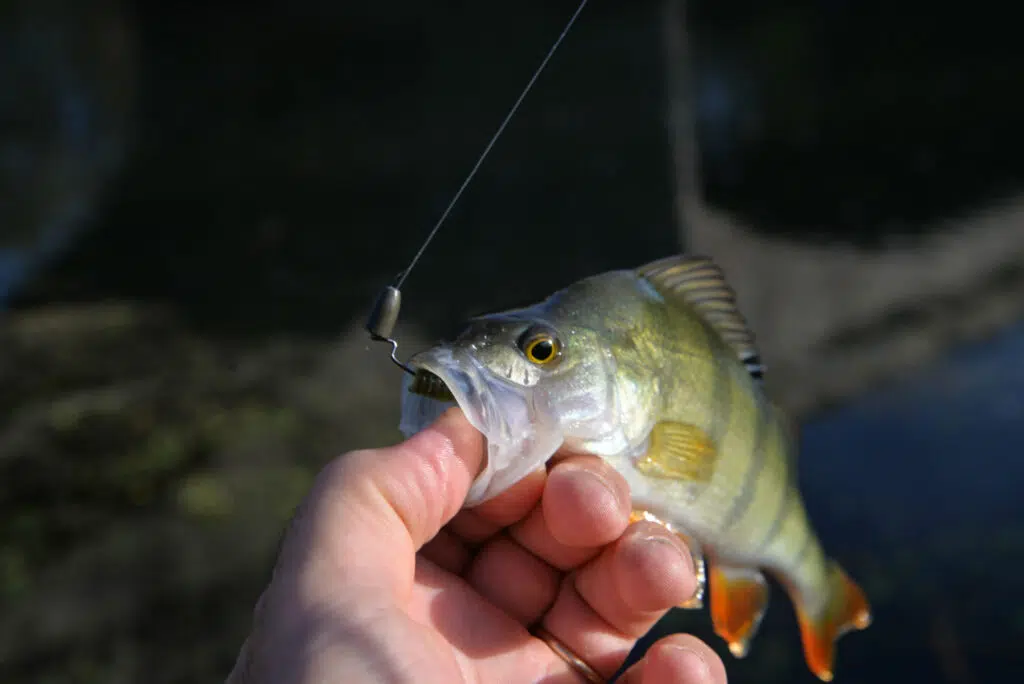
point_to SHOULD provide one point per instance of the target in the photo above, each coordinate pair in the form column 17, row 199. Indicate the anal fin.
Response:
column 739, row 598
column 678, row 451
column 696, row 601
column 847, row 609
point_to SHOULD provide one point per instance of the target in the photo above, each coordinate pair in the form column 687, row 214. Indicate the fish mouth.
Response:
column 519, row 436
column 431, row 386
column 443, row 380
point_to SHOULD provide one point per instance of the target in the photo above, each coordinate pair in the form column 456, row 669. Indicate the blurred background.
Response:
column 199, row 202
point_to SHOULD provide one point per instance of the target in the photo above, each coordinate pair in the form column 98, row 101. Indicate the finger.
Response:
column 585, row 633
column 640, row 577
column 585, row 505
column 492, row 647
column 521, row 578
column 677, row 659
column 476, row 524
column 603, row 607
column 452, row 548
column 514, row 579
column 447, row 552
column 370, row 511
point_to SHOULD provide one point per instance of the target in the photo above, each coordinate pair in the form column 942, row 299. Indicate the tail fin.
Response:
column 847, row 609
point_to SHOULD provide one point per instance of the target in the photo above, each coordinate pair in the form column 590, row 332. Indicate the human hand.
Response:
column 382, row 578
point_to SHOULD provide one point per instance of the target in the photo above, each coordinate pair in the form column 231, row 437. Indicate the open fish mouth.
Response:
column 519, row 437
column 426, row 384
column 440, row 383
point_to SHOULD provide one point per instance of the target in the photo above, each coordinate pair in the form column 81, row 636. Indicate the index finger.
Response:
column 574, row 504
column 474, row 525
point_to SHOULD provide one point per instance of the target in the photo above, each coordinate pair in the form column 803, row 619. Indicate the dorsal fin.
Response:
column 699, row 282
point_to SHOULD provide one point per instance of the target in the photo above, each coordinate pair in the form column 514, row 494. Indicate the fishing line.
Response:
column 384, row 315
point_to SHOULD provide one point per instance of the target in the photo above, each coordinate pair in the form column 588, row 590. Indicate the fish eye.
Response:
column 540, row 346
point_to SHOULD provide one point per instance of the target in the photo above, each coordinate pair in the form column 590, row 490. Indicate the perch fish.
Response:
column 656, row 371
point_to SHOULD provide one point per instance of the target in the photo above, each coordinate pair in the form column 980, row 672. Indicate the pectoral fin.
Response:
column 678, row 451
column 739, row 598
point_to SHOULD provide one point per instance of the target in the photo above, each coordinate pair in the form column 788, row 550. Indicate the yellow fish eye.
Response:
column 541, row 347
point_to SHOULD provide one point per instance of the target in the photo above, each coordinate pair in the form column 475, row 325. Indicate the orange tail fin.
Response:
column 847, row 609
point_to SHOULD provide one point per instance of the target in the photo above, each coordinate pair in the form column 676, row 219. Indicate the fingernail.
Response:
column 592, row 477
column 675, row 543
column 689, row 665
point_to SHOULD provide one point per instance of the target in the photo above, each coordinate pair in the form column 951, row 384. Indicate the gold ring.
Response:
column 571, row 659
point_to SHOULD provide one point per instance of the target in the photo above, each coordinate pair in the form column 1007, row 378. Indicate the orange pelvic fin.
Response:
column 739, row 598
column 697, row 600
column 847, row 609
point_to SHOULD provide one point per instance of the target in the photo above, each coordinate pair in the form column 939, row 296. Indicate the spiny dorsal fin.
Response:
column 701, row 283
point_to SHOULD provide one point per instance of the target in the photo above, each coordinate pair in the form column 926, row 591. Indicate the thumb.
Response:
column 370, row 511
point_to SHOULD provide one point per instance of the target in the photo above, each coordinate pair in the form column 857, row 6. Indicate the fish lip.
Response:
column 489, row 401
column 469, row 386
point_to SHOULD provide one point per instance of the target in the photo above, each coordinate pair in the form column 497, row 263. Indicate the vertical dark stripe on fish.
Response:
column 781, row 512
column 787, row 495
column 748, row 489
column 721, row 407
column 805, row 547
